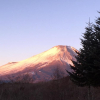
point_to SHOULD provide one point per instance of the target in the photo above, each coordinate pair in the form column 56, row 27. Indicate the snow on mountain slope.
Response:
column 44, row 63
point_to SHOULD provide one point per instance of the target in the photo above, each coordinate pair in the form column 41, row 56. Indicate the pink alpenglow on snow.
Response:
column 42, row 66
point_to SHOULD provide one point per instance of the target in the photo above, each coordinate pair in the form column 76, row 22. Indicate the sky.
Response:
column 30, row 27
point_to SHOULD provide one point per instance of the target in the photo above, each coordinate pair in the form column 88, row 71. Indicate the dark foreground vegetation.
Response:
column 62, row 89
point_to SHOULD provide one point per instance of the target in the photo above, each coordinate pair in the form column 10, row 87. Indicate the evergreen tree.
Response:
column 86, row 71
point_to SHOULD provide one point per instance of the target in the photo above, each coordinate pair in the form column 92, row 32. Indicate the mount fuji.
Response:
column 41, row 67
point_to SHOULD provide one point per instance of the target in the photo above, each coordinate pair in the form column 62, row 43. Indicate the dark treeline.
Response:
column 62, row 89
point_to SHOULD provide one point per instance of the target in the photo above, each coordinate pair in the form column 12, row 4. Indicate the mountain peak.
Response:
column 43, row 64
column 61, row 46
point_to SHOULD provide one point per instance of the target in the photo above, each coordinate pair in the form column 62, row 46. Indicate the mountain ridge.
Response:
column 42, row 64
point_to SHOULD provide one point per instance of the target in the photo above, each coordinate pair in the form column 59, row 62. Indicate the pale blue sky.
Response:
column 29, row 27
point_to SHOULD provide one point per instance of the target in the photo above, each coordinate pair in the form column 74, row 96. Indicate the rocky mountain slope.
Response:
column 42, row 66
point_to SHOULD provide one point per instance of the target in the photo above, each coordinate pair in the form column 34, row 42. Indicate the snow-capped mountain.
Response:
column 42, row 66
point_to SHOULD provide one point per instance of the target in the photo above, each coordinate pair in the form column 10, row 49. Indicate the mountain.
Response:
column 42, row 66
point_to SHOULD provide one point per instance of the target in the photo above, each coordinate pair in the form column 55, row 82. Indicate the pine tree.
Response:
column 86, row 71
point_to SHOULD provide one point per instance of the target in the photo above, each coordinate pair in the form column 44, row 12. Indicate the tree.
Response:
column 86, row 70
